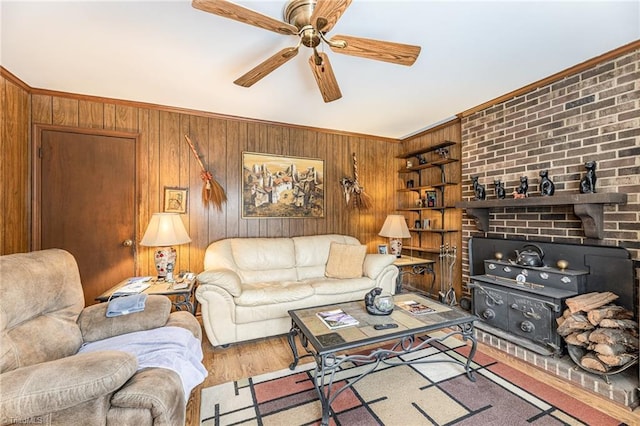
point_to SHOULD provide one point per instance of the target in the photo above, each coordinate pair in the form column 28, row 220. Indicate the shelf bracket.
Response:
column 481, row 217
column 592, row 219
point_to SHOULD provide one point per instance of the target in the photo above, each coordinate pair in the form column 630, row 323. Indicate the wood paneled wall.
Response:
column 166, row 160
column 14, row 165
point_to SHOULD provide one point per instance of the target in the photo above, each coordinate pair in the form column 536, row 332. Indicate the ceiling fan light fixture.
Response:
column 310, row 20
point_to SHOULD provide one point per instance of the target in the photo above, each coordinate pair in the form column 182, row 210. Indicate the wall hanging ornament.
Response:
column 212, row 192
column 354, row 194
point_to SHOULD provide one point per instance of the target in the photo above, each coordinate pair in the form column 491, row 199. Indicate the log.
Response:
column 588, row 301
column 607, row 349
column 576, row 322
column 618, row 323
column 572, row 339
column 616, row 360
column 584, row 336
column 592, row 362
column 608, row 311
column 614, row 336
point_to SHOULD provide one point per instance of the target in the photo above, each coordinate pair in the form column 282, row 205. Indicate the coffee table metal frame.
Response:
column 328, row 360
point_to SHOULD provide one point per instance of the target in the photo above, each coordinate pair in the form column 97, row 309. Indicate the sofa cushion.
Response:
column 263, row 254
column 42, row 298
column 345, row 261
column 338, row 286
column 267, row 293
column 312, row 253
column 264, row 259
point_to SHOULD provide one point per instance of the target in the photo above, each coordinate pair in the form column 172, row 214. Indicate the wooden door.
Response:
column 86, row 187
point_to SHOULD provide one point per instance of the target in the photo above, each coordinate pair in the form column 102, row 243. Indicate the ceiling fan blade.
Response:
column 325, row 78
column 264, row 68
column 230, row 10
column 387, row 51
column 328, row 11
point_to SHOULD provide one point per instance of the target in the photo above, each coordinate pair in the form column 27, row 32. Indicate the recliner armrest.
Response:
column 374, row 264
column 223, row 278
column 52, row 386
column 95, row 325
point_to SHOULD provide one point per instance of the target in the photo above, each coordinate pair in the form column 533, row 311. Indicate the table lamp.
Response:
column 395, row 228
column 165, row 230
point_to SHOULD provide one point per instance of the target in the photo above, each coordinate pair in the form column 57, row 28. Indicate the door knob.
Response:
column 127, row 243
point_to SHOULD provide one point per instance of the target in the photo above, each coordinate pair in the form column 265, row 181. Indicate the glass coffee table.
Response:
column 330, row 348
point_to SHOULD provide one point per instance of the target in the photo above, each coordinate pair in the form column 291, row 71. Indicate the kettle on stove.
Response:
column 531, row 255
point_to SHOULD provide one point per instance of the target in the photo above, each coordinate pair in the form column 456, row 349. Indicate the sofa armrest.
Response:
column 52, row 386
column 187, row 321
column 224, row 278
column 374, row 264
column 95, row 325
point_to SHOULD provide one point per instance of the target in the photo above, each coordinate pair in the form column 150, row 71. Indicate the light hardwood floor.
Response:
column 272, row 354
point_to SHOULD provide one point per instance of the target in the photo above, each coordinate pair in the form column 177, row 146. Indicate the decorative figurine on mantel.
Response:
column 478, row 189
column 546, row 186
column 588, row 182
column 500, row 192
column 521, row 192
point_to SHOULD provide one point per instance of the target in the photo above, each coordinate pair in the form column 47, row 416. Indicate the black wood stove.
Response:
column 518, row 289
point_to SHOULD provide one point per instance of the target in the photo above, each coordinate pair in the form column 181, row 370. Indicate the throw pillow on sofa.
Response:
column 345, row 261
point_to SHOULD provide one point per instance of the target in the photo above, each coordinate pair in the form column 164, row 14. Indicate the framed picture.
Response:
column 383, row 249
column 282, row 187
column 431, row 198
column 175, row 200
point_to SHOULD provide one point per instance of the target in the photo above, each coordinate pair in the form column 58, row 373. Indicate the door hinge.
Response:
column 39, row 152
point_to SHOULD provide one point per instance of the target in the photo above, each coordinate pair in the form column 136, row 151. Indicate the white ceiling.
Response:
column 168, row 53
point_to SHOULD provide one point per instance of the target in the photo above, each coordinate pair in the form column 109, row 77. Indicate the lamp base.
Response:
column 165, row 259
column 396, row 246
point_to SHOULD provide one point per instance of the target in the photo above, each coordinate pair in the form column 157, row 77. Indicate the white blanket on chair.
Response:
column 174, row 348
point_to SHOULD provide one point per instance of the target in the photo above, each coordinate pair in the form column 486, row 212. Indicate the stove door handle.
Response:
column 527, row 314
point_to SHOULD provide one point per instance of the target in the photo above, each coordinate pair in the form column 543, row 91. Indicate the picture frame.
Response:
column 431, row 198
column 176, row 199
column 279, row 186
column 383, row 249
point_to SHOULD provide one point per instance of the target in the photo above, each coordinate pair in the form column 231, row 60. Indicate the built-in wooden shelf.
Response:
column 588, row 207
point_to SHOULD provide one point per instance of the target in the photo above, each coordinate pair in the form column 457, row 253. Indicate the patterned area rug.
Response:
column 419, row 394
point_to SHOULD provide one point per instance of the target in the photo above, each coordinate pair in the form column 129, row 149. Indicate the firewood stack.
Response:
column 607, row 333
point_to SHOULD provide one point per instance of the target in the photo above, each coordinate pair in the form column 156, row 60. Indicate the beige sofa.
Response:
column 43, row 380
column 250, row 284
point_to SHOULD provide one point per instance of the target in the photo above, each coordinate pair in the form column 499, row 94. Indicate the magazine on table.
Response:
column 337, row 318
column 134, row 285
column 415, row 308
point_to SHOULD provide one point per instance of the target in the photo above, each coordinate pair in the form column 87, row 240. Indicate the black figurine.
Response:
column 588, row 182
column 524, row 187
column 500, row 193
column 479, row 189
column 546, row 186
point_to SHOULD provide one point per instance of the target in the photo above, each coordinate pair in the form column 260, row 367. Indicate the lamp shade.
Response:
column 395, row 226
column 165, row 229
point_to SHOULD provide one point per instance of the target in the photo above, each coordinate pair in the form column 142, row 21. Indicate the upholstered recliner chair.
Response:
column 42, row 326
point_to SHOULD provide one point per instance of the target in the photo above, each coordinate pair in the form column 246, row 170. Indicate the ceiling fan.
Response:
column 310, row 20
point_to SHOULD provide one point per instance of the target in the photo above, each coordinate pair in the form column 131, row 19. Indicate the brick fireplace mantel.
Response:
column 588, row 207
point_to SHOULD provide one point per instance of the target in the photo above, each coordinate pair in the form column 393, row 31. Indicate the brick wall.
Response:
column 590, row 115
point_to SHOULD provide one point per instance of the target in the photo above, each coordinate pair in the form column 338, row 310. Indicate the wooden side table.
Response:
column 414, row 266
column 183, row 299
